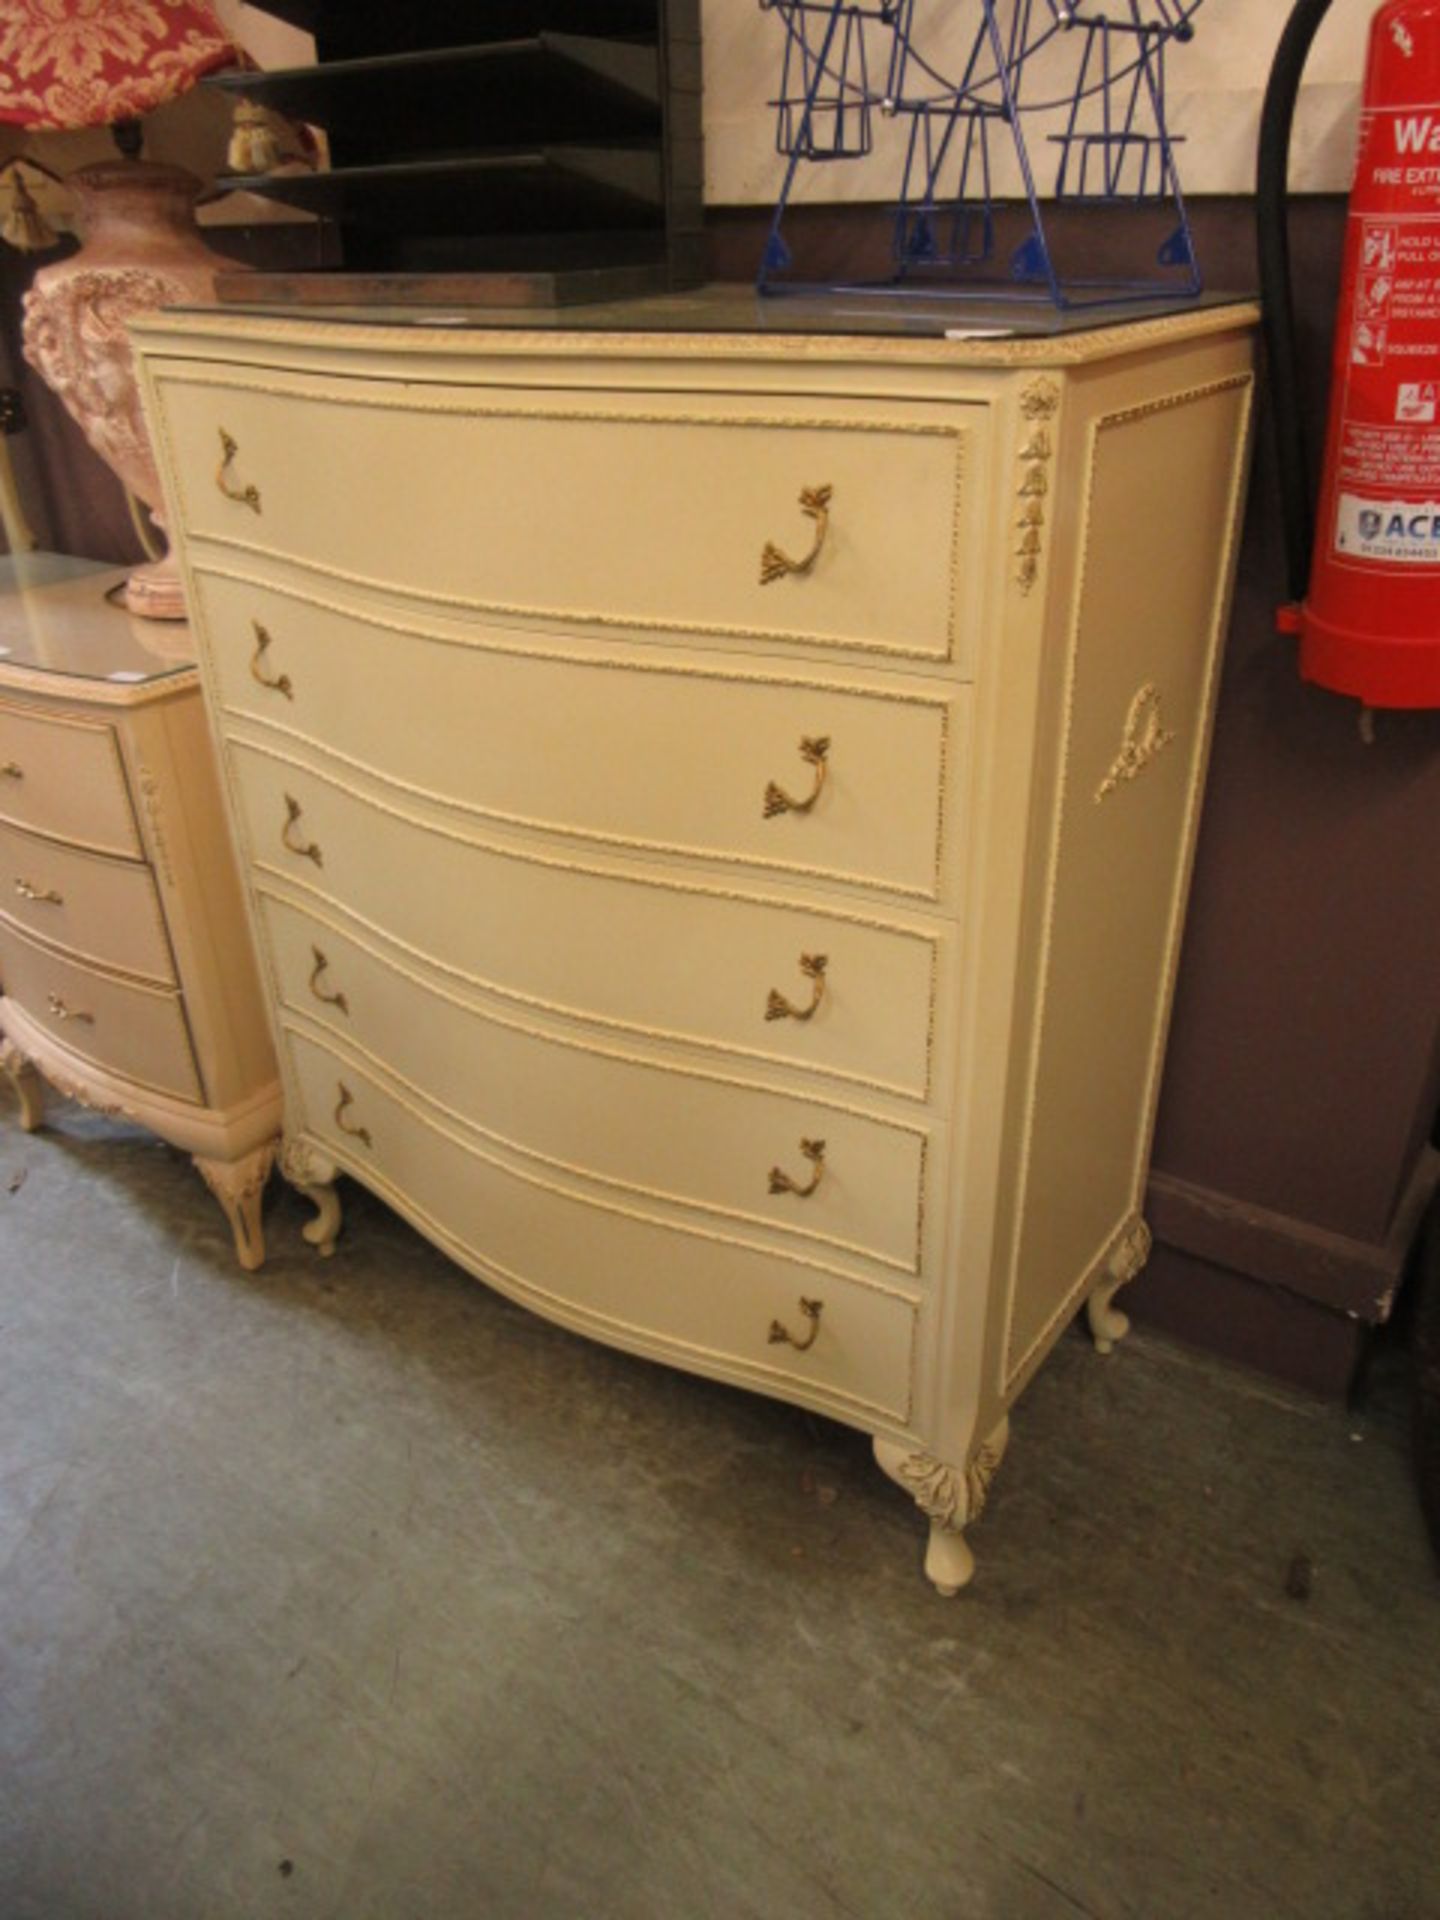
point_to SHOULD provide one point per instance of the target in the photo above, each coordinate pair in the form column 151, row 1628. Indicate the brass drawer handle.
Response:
column 780, row 1181
column 244, row 496
column 780, row 1334
column 346, row 1100
column 813, row 966
column 277, row 683
column 46, row 897
column 13, row 770
column 817, row 752
column 329, row 999
column 306, row 849
column 774, row 565
column 62, row 1012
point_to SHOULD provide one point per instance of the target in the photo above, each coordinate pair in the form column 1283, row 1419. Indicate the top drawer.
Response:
column 602, row 509
column 65, row 778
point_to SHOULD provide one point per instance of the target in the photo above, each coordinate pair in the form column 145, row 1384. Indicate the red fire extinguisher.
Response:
column 1365, row 571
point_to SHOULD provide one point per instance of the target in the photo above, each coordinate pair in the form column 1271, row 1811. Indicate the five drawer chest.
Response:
column 716, row 803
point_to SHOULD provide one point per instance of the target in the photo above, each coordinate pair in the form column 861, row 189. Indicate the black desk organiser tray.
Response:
column 491, row 151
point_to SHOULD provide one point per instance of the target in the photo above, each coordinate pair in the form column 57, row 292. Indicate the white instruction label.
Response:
column 1396, row 530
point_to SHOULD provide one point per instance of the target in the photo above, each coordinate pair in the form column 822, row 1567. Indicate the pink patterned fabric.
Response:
column 84, row 63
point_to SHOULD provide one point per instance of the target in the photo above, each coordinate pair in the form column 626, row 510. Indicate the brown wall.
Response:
column 1304, row 1066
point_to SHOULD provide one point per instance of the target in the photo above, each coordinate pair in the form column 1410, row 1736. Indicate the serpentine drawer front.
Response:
column 642, row 951
column 594, row 1263
column 508, row 502
column 103, row 909
column 65, row 777
column 801, row 1165
column 134, row 1030
column 841, row 778
column 717, row 806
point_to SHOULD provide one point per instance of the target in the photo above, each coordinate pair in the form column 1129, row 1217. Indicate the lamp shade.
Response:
column 84, row 63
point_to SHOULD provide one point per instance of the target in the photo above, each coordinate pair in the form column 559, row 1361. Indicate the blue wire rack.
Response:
column 847, row 64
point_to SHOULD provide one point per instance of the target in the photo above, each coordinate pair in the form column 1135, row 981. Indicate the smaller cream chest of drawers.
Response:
column 717, row 808
column 127, row 974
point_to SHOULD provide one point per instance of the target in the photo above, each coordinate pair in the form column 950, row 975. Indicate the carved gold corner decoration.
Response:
column 238, row 1181
column 938, row 1490
column 312, row 1173
column 303, row 1165
column 1039, row 403
column 239, row 1186
column 1040, row 399
column 1131, row 1249
column 950, row 1496
column 1145, row 736
column 150, row 795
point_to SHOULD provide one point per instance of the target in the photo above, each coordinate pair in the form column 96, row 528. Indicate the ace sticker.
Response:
column 1393, row 530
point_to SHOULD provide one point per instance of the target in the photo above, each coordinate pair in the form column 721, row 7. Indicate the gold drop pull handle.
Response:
column 817, row 752
column 244, row 496
column 330, row 999
column 45, row 897
column 780, row 1334
column 307, row 849
column 13, row 770
column 62, row 1012
column 774, row 564
column 780, row 1181
column 277, row 683
column 813, row 966
column 346, row 1101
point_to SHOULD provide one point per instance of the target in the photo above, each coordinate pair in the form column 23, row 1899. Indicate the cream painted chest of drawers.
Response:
column 717, row 810
column 128, row 974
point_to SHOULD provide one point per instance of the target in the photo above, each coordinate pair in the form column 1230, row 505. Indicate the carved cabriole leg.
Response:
column 951, row 1499
column 239, row 1186
column 310, row 1173
column 1126, row 1259
column 27, row 1084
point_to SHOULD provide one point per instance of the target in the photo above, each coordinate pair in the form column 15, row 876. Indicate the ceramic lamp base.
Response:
column 140, row 251
column 156, row 591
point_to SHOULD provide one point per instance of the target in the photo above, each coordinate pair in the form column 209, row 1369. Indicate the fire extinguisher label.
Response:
column 1386, row 450
column 1370, row 623
column 1390, row 530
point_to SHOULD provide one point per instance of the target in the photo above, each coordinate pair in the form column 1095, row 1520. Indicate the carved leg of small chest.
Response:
column 310, row 1173
column 950, row 1497
column 27, row 1084
column 1123, row 1264
column 239, row 1186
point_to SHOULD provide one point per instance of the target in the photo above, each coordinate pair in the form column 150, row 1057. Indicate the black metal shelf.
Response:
column 518, row 90
column 429, row 23
column 533, row 136
column 555, row 189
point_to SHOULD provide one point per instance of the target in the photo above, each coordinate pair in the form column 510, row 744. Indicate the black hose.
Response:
column 1272, row 171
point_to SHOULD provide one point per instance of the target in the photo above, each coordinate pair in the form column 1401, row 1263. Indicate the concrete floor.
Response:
column 348, row 1591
